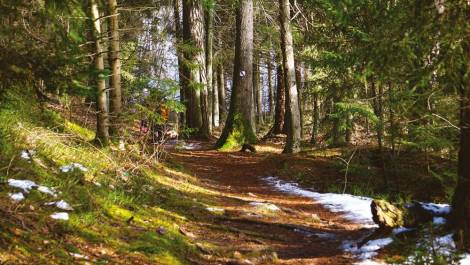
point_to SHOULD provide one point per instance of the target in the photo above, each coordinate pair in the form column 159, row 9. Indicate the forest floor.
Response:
column 298, row 230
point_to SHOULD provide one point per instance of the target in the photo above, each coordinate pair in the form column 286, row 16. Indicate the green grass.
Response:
column 103, row 202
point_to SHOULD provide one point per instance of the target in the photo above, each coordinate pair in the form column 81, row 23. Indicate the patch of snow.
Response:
column 465, row 259
column 439, row 220
column 191, row 146
column 265, row 206
column 25, row 155
column 400, row 230
column 325, row 235
column 63, row 205
column 17, row 197
column 353, row 208
column 78, row 256
column 437, row 208
column 71, row 167
column 47, row 190
column 215, row 209
column 60, row 216
column 25, row 185
column 368, row 250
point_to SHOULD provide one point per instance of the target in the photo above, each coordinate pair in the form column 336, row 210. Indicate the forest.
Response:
column 235, row 132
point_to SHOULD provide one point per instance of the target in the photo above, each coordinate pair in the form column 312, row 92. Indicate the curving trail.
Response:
column 301, row 232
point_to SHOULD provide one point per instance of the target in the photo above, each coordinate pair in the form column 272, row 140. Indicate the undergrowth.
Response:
column 123, row 213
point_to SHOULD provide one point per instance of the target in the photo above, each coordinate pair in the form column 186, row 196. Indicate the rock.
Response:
column 186, row 233
column 161, row 230
column 265, row 207
column 386, row 215
column 203, row 249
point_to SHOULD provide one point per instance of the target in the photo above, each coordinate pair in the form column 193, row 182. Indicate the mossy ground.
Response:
column 123, row 214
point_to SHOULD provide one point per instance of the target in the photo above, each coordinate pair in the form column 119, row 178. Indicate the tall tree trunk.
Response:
column 280, row 111
column 239, row 128
column 378, row 110
column 179, row 52
column 102, row 123
column 258, row 92
column 115, row 91
column 215, row 102
column 299, row 81
column 316, row 119
column 292, row 108
column 461, row 199
column 209, row 59
column 270, row 87
column 195, row 67
column 221, row 88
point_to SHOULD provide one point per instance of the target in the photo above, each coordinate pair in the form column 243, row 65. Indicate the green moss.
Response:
column 241, row 133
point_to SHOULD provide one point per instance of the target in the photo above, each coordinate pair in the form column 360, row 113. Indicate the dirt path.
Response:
column 301, row 232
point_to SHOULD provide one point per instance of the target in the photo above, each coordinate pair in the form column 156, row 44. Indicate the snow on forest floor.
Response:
column 357, row 210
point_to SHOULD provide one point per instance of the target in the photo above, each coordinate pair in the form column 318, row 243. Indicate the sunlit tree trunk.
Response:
column 195, row 67
column 215, row 101
column 115, row 91
column 239, row 128
column 292, row 99
column 102, row 123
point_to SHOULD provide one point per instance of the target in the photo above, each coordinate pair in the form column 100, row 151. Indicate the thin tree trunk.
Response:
column 215, row 102
column 179, row 39
column 102, row 123
column 115, row 91
column 239, row 128
column 221, row 88
column 316, row 119
column 299, row 82
column 270, row 88
column 280, row 113
column 257, row 92
column 292, row 109
column 209, row 60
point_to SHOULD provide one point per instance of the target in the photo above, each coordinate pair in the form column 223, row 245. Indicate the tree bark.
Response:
column 221, row 94
column 270, row 88
column 115, row 91
column 292, row 108
column 461, row 199
column 209, row 61
column 316, row 119
column 299, row 81
column 257, row 92
column 280, row 111
column 215, row 102
column 239, row 128
column 195, row 67
column 179, row 53
column 102, row 123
